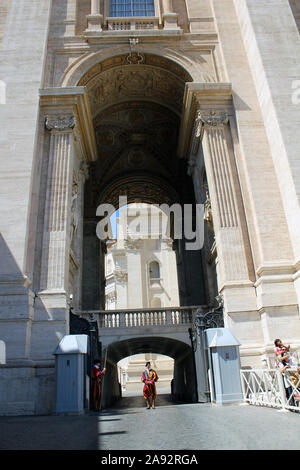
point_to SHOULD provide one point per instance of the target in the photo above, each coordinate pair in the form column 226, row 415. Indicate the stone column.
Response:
column 91, row 278
column 52, row 302
column 234, row 258
column 170, row 19
column 95, row 19
column 135, row 287
column 70, row 19
column 59, row 185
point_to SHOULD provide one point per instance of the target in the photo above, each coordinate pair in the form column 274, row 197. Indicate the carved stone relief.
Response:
column 60, row 122
column 143, row 191
column 74, row 209
column 135, row 82
column 127, row 60
column 208, row 212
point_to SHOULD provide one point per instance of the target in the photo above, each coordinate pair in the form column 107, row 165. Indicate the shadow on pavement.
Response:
column 69, row 432
column 127, row 404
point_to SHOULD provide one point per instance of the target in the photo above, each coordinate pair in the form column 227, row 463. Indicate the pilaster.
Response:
column 170, row 18
column 94, row 19
column 71, row 146
column 234, row 267
column 134, row 283
column 207, row 132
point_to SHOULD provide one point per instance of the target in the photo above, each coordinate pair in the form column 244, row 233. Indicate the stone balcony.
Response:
column 152, row 320
column 132, row 23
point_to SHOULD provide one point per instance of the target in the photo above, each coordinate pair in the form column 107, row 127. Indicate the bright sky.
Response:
column 113, row 222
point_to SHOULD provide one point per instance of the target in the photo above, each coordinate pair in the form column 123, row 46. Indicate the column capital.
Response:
column 203, row 98
column 212, row 118
column 64, row 123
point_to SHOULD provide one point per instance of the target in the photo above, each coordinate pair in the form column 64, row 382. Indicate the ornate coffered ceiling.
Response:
column 136, row 103
column 135, row 138
column 132, row 59
column 135, row 77
column 137, row 188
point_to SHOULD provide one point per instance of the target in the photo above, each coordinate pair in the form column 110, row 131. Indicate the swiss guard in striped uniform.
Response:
column 149, row 378
column 97, row 375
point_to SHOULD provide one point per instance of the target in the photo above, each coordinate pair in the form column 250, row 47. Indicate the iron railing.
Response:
column 268, row 387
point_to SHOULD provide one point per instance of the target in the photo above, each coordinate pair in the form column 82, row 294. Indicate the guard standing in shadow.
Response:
column 97, row 375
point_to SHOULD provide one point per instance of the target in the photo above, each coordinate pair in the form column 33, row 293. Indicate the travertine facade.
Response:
column 198, row 103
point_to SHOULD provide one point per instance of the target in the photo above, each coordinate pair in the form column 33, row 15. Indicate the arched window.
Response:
column 154, row 270
column 122, row 8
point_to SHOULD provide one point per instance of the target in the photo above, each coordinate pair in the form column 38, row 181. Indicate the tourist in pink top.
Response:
column 279, row 349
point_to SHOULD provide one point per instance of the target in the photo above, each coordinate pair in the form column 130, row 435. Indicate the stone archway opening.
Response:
column 136, row 106
column 175, row 351
column 137, row 109
column 130, row 371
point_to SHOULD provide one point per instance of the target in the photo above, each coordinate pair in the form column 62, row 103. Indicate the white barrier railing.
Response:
column 269, row 387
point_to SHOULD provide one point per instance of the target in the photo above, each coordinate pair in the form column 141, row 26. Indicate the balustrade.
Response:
column 129, row 24
column 142, row 318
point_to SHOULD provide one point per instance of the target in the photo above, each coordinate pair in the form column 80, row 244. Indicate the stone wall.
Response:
column 4, row 7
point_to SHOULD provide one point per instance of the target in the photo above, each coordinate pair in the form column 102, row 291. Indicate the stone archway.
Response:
column 124, row 122
column 184, row 380
column 89, row 65
column 136, row 105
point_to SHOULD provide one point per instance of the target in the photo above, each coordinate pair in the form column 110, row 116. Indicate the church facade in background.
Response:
column 141, row 272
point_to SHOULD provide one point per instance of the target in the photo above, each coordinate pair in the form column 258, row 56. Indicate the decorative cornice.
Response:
column 60, row 122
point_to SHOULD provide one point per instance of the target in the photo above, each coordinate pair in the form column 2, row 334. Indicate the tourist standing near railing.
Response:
column 288, row 369
column 279, row 349
column 288, row 363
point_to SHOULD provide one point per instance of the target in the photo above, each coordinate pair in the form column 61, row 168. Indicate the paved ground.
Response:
column 129, row 426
